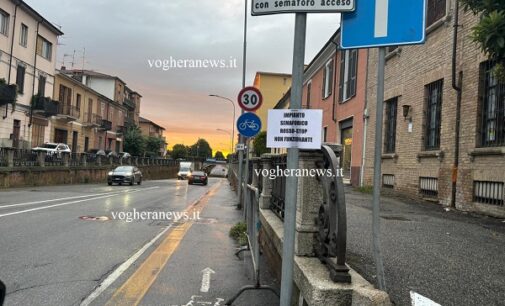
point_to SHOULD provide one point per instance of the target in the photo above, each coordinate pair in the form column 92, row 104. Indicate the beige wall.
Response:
column 272, row 87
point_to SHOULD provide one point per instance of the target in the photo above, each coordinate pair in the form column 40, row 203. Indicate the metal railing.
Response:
column 3, row 158
column 54, row 160
column 69, row 110
column 277, row 204
column 24, row 158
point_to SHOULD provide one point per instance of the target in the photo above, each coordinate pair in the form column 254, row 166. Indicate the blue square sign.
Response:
column 381, row 23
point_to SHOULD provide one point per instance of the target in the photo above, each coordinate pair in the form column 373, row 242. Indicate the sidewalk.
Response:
column 203, row 269
column 451, row 257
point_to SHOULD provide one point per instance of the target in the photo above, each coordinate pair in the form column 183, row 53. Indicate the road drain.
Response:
column 91, row 218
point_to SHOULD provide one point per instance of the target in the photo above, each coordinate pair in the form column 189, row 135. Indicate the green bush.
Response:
column 238, row 233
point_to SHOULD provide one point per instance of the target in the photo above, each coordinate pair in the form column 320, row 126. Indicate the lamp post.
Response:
column 233, row 121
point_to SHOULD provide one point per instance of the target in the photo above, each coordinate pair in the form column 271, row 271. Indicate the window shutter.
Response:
column 342, row 76
column 330, row 81
column 353, row 77
column 39, row 45
column 323, row 94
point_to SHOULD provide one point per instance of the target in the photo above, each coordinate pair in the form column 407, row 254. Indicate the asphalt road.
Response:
column 450, row 257
column 51, row 255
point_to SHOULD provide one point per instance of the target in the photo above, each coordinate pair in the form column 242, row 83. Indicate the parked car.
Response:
column 53, row 149
column 125, row 175
column 198, row 177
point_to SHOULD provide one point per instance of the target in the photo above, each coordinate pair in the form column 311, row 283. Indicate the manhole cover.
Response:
column 91, row 218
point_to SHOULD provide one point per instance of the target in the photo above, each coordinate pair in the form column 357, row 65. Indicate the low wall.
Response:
column 37, row 176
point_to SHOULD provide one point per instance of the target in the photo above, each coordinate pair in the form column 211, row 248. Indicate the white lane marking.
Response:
column 206, row 279
column 419, row 300
column 121, row 269
column 381, row 18
column 75, row 202
column 53, row 200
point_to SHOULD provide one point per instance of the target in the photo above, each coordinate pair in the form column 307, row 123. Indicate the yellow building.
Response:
column 273, row 87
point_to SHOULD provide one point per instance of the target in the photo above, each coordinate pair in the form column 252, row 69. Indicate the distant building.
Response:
column 151, row 129
column 28, row 45
column 273, row 87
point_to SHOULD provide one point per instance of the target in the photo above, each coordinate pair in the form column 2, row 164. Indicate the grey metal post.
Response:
column 241, row 139
column 288, row 248
column 245, row 200
column 378, row 172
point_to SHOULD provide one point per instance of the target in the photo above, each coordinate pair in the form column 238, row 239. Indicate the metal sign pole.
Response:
column 288, row 249
column 378, row 171
column 241, row 139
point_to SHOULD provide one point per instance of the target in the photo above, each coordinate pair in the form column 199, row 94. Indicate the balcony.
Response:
column 68, row 112
column 92, row 120
column 44, row 106
column 7, row 94
column 106, row 125
column 130, row 104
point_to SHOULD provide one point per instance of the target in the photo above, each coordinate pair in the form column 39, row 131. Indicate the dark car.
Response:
column 125, row 175
column 197, row 177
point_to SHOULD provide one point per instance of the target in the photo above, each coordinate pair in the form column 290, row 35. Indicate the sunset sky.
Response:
column 122, row 36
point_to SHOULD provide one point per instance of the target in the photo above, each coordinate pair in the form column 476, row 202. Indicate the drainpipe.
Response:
column 366, row 117
column 457, row 87
column 34, row 73
column 10, row 59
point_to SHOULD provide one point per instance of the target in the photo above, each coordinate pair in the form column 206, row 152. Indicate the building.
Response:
column 114, row 89
column 335, row 82
column 426, row 154
column 86, row 119
column 273, row 87
column 28, row 59
column 151, row 129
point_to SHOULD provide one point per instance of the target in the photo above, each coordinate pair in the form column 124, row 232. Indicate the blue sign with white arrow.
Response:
column 249, row 125
column 381, row 23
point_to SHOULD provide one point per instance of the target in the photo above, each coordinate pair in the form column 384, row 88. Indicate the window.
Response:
column 65, row 96
column 325, row 134
column 78, row 102
column 23, row 38
column 38, row 132
column 436, row 11
column 348, row 74
column 44, row 48
column 433, row 97
column 42, row 86
column 390, row 129
column 4, row 23
column 327, row 79
column 20, row 78
column 309, row 92
column 492, row 93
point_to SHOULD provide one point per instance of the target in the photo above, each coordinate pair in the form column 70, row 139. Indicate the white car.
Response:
column 52, row 149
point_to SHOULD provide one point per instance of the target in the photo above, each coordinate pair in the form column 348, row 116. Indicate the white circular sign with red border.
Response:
column 250, row 99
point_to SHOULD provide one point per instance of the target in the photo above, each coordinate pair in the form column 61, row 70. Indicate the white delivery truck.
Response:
column 185, row 168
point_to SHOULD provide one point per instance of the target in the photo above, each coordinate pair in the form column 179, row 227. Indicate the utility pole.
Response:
column 241, row 139
column 288, row 248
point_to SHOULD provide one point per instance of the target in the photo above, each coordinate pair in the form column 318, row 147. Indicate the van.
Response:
column 185, row 168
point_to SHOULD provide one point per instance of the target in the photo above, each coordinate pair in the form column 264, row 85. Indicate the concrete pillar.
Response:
column 10, row 157
column 66, row 159
column 111, row 160
column 266, row 193
column 310, row 198
column 84, row 159
column 256, row 166
column 136, row 161
column 98, row 160
column 41, row 159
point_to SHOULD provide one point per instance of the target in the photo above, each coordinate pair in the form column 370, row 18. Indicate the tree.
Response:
column 489, row 33
column 219, row 155
column 260, row 144
column 153, row 145
column 201, row 149
column 179, row 151
column 134, row 143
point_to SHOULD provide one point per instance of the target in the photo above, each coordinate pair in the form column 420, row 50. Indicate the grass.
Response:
column 238, row 233
column 364, row 189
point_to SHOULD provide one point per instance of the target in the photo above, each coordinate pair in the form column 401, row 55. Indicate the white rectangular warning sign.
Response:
column 294, row 129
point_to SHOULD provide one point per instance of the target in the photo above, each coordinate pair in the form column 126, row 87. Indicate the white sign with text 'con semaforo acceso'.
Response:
column 294, row 129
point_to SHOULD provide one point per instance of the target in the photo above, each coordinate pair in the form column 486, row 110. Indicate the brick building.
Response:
column 420, row 147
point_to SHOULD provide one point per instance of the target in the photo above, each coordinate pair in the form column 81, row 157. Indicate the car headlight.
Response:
column 111, row 173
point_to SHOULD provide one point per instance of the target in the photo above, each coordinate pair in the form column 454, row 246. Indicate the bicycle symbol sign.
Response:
column 249, row 125
column 250, row 99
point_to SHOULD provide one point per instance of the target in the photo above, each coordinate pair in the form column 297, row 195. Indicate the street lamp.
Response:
column 233, row 121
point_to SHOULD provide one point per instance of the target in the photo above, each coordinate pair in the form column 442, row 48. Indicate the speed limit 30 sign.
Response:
column 250, row 99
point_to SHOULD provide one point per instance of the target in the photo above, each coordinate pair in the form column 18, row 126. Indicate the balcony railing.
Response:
column 7, row 94
column 69, row 111
column 106, row 125
column 92, row 119
column 45, row 106
column 130, row 104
